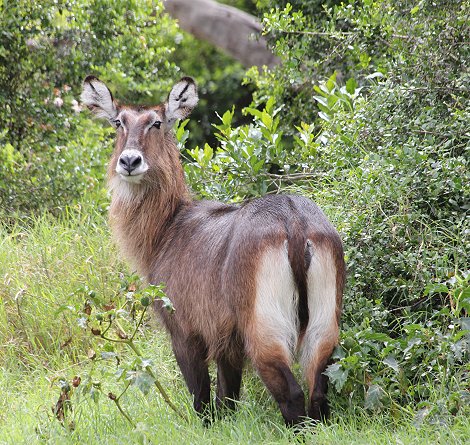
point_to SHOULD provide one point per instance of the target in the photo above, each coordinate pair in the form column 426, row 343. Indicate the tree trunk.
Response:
column 234, row 31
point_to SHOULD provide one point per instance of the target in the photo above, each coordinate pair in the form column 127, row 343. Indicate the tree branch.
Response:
column 235, row 32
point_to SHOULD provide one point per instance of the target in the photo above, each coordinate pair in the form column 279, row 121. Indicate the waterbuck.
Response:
column 262, row 280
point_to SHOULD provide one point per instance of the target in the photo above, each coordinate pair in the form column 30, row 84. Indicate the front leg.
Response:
column 229, row 377
column 191, row 356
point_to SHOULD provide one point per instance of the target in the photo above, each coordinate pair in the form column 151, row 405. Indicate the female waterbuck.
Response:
column 261, row 280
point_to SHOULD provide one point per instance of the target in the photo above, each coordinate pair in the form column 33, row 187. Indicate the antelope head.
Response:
column 145, row 148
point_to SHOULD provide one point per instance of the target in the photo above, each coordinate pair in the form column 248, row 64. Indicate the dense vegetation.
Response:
column 367, row 114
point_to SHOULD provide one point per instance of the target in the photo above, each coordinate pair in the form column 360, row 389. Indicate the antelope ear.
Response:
column 181, row 100
column 97, row 97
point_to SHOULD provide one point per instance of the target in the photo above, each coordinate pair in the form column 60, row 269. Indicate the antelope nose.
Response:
column 130, row 162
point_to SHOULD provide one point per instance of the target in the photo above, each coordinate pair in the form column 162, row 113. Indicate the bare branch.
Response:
column 235, row 32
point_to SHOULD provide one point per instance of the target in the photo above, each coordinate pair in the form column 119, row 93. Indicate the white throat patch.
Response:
column 124, row 190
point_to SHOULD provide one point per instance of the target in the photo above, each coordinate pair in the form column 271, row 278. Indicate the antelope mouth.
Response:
column 134, row 178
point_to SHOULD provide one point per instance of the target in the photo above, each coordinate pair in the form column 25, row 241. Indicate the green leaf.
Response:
column 332, row 99
column 253, row 111
column 392, row 362
column 374, row 396
column 321, row 100
column 155, row 291
column 144, row 381
column 337, row 375
column 269, row 105
column 377, row 336
column 167, row 304
column 253, row 160
column 257, row 167
column 266, row 119
column 436, row 288
column 351, row 85
column 227, row 117
column 181, row 133
column 324, row 116
column 331, row 82
column 208, row 154
column 465, row 323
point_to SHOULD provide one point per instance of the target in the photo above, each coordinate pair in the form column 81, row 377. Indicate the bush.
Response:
column 381, row 145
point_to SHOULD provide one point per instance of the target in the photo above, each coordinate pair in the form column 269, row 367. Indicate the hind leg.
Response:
column 321, row 335
column 273, row 368
column 318, row 407
column 229, row 377
column 272, row 333
column 191, row 356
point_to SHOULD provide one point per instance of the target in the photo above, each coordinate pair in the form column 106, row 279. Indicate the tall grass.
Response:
column 41, row 268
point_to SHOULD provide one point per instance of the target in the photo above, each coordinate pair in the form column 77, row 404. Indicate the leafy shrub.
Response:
column 418, row 44
column 423, row 357
column 381, row 145
column 117, row 323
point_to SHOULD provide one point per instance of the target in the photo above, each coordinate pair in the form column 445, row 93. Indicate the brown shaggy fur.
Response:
column 208, row 254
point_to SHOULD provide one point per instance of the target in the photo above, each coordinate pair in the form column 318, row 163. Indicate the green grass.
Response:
column 41, row 268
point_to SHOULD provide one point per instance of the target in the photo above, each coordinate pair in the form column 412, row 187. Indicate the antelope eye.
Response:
column 157, row 124
column 117, row 123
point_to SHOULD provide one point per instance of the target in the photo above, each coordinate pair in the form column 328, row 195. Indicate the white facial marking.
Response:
column 152, row 118
column 124, row 191
column 120, row 118
column 135, row 175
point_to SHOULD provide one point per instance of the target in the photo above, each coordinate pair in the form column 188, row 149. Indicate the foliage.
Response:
column 418, row 44
column 43, row 269
column 117, row 322
column 406, row 366
column 382, row 146
column 243, row 163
